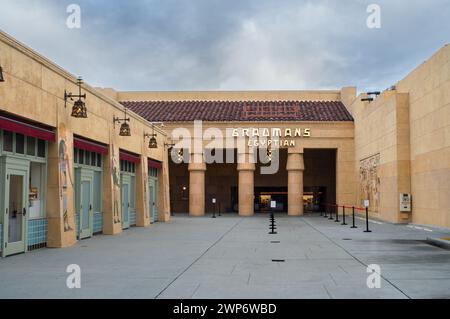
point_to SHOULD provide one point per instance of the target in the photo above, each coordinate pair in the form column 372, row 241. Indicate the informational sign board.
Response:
column 366, row 203
column 273, row 204
column 405, row 203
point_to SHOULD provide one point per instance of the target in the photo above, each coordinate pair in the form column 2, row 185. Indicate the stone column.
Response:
column 112, row 205
column 197, row 169
column 142, row 195
column 60, row 190
column 246, row 187
column 295, row 168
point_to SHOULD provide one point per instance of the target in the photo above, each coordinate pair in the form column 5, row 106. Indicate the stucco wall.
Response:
column 410, row 128
column 34, row 89
column 429, row 117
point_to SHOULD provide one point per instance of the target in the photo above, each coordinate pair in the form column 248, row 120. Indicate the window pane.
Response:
column 31, row 146
column 36, row 188
column 81, row 157
column 41, row 148
column 7, row 141
column 20, row 144
column 99, row 160
column 75, row 155
column 88, row 158
column 97, row 200
column 93, row 159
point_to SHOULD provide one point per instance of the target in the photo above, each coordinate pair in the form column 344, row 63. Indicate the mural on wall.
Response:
column 65, row 175
column 369, row 182
column 116, row 184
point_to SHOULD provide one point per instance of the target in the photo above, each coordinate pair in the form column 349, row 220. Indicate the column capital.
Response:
column 197, row 167
column 246, row 167
column 295, row 162
column 296, row 150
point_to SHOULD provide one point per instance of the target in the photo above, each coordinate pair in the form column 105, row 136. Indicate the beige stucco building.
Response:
column 64, row 178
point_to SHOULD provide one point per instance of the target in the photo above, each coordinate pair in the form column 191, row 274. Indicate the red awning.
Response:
column 90, row 146
column 154, row 164
column 26, row 129
column 130, row 157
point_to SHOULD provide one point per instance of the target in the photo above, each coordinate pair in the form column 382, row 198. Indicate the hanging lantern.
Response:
column 79, row 109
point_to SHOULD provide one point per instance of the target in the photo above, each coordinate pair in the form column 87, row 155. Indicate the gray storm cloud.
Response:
column 232, row 45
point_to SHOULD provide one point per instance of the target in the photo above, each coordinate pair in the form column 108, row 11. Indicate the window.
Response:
column 24, row 146
column 97, row 201
column 41, row 148
column 7, row 141
column 86, row 158
column 36, row 192
column 31, row 146
column 20, row 144
column 127, row 167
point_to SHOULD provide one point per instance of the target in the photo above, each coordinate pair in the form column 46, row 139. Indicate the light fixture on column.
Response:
column 125, row 127
column 79, row 107
column 153, row 142
column 2, row 79
column 269, row 153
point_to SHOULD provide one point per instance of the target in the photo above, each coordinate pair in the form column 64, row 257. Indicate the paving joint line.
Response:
column 198, row 258
column 354, row 257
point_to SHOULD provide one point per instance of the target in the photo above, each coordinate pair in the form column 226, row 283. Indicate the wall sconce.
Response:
column 79, row 107
column 2, row 79
column 153, row 142
column 125, row 127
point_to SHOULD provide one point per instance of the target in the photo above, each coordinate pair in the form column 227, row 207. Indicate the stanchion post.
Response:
column 214, row 212
column 354, row 225
column 326, row 211
column 343, row 216
column 367, row 221
column 337, row 213
column 331, row 212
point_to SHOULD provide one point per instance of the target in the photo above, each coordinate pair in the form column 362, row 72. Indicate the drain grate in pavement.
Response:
column 275, row 242
column 347, row 239
column 278, row 260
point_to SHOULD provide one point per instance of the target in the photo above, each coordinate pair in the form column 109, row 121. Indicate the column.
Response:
column 142, row 193
column 112, row 205
column 197, row 169
column 295, row 168
column 246, row 187
column 60, row 190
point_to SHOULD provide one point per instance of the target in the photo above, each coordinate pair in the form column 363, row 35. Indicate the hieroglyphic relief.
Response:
column 369, row 182
column 65, row 175
column 116, row 185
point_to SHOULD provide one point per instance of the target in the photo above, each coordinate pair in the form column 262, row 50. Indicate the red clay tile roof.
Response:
column 229, row 111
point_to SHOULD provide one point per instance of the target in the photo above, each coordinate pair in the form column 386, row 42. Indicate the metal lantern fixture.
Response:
column 153, row 142
column 2, row 79
column 125, row 127
column 79, row 109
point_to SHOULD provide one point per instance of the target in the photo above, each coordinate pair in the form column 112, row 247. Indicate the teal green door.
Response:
column 15, row 210
column 86, row 199
column 125, row 202
column 153, row 192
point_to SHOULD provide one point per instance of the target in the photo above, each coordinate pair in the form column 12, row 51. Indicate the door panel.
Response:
column 86, row 190
column 15, row 213
column 154, row 199
column 125, row 205
column 152, row 208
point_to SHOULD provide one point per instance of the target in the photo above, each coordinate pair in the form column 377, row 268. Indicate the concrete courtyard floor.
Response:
column 231, row 257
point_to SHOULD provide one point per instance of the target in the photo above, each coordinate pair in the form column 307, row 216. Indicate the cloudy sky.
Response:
column 232, row 44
